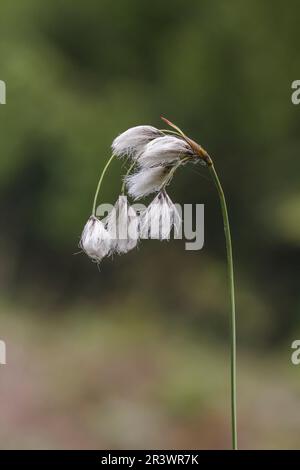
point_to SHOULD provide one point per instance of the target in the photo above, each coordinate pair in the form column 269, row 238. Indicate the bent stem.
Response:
column 232, row 304
column 100, row 182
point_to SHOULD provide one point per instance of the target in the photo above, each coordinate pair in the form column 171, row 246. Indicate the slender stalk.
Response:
column 172, row 171
column 232, row 304
column 100, row 182
column 124, row 179
column 168, row 131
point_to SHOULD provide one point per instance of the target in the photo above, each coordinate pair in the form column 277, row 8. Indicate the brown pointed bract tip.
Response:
column 173, row 125
column 166, row 121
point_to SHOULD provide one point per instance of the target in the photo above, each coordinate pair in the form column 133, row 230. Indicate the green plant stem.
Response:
column 232, row 304
column 100, row 182
column 124, row 180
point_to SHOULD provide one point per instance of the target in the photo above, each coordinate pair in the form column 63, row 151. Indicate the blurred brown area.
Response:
column 135, row 354
column 123, row 381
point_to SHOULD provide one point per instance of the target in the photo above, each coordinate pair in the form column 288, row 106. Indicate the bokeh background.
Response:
column 135, row 354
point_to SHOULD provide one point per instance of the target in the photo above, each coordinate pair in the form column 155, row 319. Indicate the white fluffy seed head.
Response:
column 164, row 150
column 146, row 181
column 122, row 224
column 132, row 141
column 95, row 239
column 159, row 218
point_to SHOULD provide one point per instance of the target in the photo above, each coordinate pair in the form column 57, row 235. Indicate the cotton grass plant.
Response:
column 155, row 155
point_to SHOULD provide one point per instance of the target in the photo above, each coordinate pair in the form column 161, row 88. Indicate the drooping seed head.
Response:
column 159, row 218
column 95, row 239
column 122, row 224
column 164, row 150
column 132, row 141
column 146, row 181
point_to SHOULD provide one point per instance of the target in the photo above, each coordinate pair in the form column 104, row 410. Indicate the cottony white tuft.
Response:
column 146, row 181
column 132, row 141
column 122, row 224
column 164, row 150
column 159, row 218
column 95, row 239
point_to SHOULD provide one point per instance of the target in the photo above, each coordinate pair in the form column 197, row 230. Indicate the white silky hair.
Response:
column 164, row 150
column 122, row 224
column 159, row 218
column 132, row 141
column 95, row 239
column 146, row 181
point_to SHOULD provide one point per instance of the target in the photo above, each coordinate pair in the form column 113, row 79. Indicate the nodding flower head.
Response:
column 95, row 239
column 159, row 218
column 156, row 156
column 122, row 224
column 146, row 181
column 164, row 150
column 132, row 141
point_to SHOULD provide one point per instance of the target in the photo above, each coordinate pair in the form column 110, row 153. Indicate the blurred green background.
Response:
column 136, row 354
